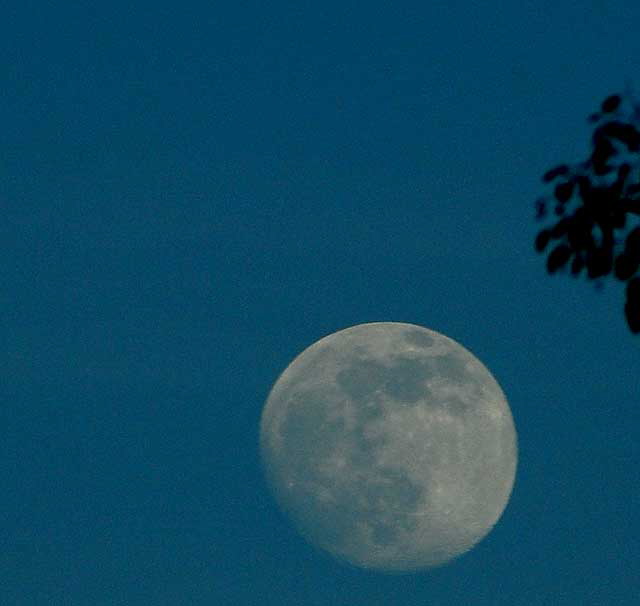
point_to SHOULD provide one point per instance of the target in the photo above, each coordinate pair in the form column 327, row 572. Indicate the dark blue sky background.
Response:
column 193, row 193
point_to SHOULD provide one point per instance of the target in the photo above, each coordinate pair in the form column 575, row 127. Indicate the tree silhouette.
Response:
column 594, row 204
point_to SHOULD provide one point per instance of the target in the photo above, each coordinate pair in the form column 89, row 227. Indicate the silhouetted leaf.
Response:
column 611, row 103
column 579, row 231
column 542, row 239
column 584, row 186
column 558, row 258
column 626, row 133
column 541, row 208
column 599, row 263
column 625, row 266
column 632, row 305
column 560, row 228
column 597, row 201
column 577, row 265
column 563, row 191
column 633, row 288
column 632, row 243
column 631, row 138
column 552, row 173
column 632, row 313
column 601, row 155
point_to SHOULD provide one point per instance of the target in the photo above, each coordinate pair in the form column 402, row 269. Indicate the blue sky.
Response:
column 194, row 193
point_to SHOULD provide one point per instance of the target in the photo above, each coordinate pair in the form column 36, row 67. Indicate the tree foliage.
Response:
column 596, row 204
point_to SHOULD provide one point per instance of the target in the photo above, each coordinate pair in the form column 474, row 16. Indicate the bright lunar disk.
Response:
column 390, row 446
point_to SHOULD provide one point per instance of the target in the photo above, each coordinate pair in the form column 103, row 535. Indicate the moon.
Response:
column 390, row 446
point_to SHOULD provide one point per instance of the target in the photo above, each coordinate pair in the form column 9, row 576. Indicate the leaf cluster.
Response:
column 594, row 203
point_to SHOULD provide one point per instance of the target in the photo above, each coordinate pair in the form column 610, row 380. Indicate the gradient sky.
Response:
column 193, row 193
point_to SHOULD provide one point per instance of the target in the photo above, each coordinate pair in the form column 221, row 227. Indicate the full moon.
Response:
column 390, row 446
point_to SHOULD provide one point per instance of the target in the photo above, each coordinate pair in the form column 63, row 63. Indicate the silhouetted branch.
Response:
column 593, row 201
